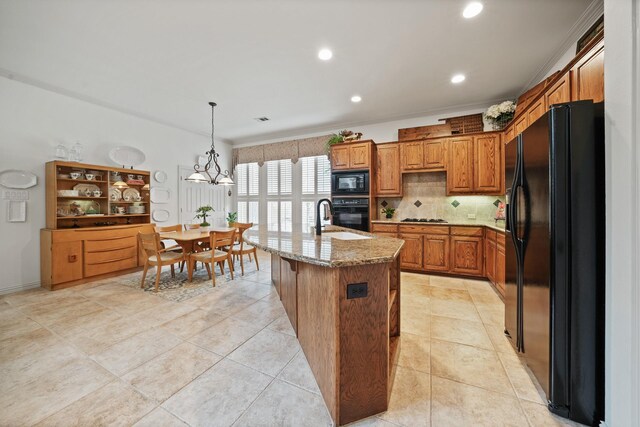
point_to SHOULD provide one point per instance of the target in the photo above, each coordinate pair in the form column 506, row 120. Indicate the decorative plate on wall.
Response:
column 18, row 179
column 160, row 195
column 127, row 156
column 160, row 176
column 160, row 215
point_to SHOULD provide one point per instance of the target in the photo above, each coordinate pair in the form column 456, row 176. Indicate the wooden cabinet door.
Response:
column 535, row 111
column 460, row 165
column 587, row 76
column 388, row 177
column 488, row 164
column 500, row 268
column 521, row 124
column 340, row 157
column 289, row 289
column 558, row 93
column 490, row 259
column 360, row 156
column 66, row 262
column 411, row 155
column 467, row 255
column 436, row 252
column 509, row 134
column 411, row 253
column 434, row 154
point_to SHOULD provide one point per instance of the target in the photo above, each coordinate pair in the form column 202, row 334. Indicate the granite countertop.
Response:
column 304, row 245
column 494, row 225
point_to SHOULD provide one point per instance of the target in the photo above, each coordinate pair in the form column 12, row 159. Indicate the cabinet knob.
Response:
column 73, row 258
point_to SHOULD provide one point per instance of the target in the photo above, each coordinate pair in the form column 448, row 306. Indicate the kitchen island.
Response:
column 341, row 292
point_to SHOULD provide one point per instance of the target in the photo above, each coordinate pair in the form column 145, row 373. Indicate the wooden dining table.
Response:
column 189, row 239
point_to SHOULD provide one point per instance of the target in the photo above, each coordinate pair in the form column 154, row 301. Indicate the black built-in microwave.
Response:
column 346, row 183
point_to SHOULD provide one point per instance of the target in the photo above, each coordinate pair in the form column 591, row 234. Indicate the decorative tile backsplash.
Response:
column 425, row 196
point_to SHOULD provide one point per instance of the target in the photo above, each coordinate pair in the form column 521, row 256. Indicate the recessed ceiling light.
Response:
column 356, row 98
column 458, row 78
column 472, row 9
column 325, row 54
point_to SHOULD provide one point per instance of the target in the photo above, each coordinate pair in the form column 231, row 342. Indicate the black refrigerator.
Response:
column 555, row 256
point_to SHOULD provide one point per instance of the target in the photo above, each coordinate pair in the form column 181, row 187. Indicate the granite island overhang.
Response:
column 341, row 292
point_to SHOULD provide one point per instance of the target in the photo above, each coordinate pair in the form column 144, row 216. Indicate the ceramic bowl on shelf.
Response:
column 89, row 176
column 75, row 175
column 68, row 193
column 63, row 175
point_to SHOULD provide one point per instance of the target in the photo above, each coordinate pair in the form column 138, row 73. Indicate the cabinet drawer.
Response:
column 467, row 231
column 491, row 235
column 385, row 234
column 109, row 256
column 110, row 244
column 109, row 267
column 388, row 228
column 431, row 229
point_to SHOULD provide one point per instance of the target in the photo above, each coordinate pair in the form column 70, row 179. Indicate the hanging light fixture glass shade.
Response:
column 206, row 174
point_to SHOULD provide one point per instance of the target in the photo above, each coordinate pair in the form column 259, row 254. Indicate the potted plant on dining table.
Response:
column 202, row 213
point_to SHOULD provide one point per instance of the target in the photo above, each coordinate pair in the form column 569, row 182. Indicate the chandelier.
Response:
column 211, row 167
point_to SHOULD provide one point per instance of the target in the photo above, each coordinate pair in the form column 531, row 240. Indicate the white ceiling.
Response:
column 165, row 59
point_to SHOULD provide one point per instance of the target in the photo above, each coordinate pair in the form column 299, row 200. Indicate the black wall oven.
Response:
column 350, row 183
column 351, row 213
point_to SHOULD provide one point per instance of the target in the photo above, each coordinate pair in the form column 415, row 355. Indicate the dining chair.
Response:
column 241, row 248
column 156, row 255
column 214, row 255
column 191, row 226
column 174, row 247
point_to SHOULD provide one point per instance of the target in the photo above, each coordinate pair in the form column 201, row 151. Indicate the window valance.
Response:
column 293, row 149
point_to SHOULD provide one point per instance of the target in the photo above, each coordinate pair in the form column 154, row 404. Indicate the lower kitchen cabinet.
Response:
column 490, row 255
column 436, row 252
column 411, row 255
column 467, row 255
column 500, row 269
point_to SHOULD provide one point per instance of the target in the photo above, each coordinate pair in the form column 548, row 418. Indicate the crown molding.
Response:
column 594, row 11
column 94, row 101
column 309, row 131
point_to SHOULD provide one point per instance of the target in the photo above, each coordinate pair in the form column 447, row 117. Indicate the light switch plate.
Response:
column 471, row 216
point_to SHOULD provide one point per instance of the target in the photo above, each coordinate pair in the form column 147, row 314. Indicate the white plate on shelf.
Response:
column 160, row 215
column 127, row 156
column 18, row 179
column 160, row 176
column 160, row 195
column 132, row 193
column 82, row 188
column 115, row 194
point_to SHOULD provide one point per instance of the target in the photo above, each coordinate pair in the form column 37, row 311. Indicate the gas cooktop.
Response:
column 438, row 220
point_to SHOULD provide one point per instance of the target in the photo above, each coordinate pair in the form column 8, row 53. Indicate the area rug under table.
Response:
column 179, row 288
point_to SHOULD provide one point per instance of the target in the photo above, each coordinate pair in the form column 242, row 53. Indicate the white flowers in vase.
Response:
column 500, row 114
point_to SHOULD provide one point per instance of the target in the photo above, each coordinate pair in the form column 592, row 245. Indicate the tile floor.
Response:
column 107, row 354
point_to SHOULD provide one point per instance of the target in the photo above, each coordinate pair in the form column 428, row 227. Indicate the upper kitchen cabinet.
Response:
column 388, row 177
column 535, row 111
column 509, row 134
column 426, row 155
column 460, row 165
column 559, row 92
column 587, row 75
column 488, row 163
column 411, row 155
column 351, row 155
column 474, row 164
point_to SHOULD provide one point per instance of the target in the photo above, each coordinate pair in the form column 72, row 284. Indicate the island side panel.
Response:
column 318, row 333
column 288, row 289
column 364, row 343
column 275, row 272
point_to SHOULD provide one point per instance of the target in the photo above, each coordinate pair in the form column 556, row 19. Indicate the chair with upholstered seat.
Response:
column 156, row 255
column 217, row 239
column 241, row 248
column 169, row 244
